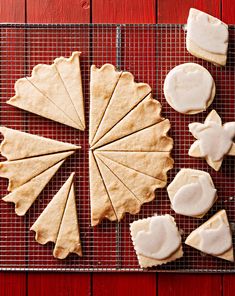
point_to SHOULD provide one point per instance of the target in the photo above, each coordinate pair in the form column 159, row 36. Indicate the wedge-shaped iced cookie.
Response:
column 101, row 206
column 146, row 113
column 127, row 94
column 68, row 238
column 207, row 37
column 214, row 140
column 122, row 199
column 21, row 171
column 192, row 193
column 156, row 240
column 25, row 195
column 47, row 226
column 154, row 164
column 153, row 138
column 102, row 84
column 141, row 185
column 213, row 237
column 45, row 94
column 18, row 145
column 189, row 88
column 70, row 73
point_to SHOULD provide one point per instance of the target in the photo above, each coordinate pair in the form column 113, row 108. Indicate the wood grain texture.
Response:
column 58, row 284
column 12, row 284
column 131, row 284
column 177, row 11
column 228, row 11
column 228, row 284
column 59, row 11
column 12, row 11
column 123, row 11
column 189, row 284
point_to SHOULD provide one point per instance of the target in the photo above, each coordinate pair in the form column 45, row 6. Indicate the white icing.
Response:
column 216, row 241
column 214, row 140
column 207, row 32
column 189, row 87
column 195, row 198
column 160, row 241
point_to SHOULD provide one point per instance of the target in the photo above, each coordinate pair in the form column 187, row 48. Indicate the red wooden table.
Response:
column 113, row 11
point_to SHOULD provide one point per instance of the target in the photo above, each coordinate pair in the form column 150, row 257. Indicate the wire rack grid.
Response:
column 149, row 52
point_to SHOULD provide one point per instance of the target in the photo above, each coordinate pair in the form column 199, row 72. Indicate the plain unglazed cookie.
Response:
column 156, row 240
column 189, row 88
column 213, row 237
column 207, row 37
column 192, row 193
column 214, row 140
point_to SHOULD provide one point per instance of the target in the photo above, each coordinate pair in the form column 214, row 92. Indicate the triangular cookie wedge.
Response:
column 123, row 200
column 68, row 239
column 18, row 145
column 153, row 138
column 24, row 196
column 154, row 164
column 21, row 171
column 29, row 98
column 47, row 225
column 213, row 237
column 70, row 73
column 102, row 84
column 142, row 186
column 48, row 81
column 101, row 206
column 146, row 113
column 126, row 96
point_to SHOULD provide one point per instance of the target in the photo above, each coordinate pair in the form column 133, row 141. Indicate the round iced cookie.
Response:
column 189, row 88
column 192, row 193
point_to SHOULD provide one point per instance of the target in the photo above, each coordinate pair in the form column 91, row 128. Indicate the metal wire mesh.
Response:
column 149, row 52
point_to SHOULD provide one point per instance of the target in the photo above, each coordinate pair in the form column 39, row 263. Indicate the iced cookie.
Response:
column 192, row 193
column 189, row 88
column 213, row 237
column 214, row 140
column 156, row 240
column 207, row 37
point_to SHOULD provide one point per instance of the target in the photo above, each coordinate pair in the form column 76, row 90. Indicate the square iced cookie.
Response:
column 207, row 37
column 156, row 240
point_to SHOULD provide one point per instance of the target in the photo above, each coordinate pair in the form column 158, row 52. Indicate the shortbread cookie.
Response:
column 53, row 91
column 207, row 37
column 213, row 237
column 214, row 140
column 189, row 88
column 192, row 193
column 156, row 240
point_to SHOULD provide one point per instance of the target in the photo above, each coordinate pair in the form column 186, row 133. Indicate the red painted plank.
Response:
column 48, row 284
column 12, row 11
column 228, row 284
column 123, row 11
column 228, row 8
column 12, row 284
column 177, row 11
column 189, row 284
column 131, row 284
column 59, row 11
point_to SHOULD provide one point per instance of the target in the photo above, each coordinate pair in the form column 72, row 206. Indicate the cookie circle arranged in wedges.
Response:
column 129, row 145
column 189, row 88
column 192, row 193
column 214, row 140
